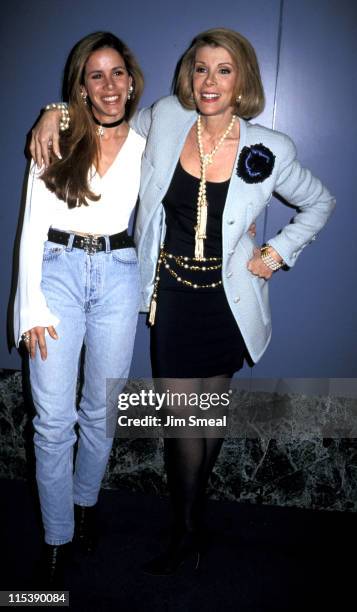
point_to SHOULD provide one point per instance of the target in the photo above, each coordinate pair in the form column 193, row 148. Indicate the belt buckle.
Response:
column 90, row 245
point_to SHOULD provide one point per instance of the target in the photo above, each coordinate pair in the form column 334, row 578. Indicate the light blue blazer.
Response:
column 166, row 125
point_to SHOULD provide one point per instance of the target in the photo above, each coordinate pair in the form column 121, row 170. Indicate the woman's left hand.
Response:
column 257, row 266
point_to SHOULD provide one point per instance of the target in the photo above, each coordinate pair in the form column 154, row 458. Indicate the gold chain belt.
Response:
column 184, row 262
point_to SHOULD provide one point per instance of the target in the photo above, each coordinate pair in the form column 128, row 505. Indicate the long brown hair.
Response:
column 248, row 99
column 68, row 177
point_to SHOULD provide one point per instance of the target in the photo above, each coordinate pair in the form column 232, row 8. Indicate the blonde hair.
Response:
column 248, row 98
column 68, row 177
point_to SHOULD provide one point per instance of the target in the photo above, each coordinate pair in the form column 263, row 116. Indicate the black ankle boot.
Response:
column 85, row 531
column 184, row 550
column 55, row 559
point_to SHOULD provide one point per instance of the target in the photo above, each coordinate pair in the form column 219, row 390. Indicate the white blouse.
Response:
column 118, row 188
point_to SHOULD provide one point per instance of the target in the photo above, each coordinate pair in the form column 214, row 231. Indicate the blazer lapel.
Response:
column 238, row 197
column 171, row 152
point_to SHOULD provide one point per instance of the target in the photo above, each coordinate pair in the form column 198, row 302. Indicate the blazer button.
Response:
column 236, row 299
column 231, row 252
column 231, row 221
column 229, row 274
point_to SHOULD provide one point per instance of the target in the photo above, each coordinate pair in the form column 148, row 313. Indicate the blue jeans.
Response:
column 96, row 298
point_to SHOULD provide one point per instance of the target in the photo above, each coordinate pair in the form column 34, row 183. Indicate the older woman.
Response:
column 79, row 286
column 207, row 173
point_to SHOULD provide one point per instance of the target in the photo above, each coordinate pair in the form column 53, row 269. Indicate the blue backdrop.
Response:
column 307, row 54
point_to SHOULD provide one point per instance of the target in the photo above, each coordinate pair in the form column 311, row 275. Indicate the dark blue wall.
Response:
column 307, row 53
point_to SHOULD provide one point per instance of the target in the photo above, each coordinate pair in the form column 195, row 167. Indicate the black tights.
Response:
column 189, row 461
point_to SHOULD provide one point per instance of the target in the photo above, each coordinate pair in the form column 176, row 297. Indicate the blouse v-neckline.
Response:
column 115, row 160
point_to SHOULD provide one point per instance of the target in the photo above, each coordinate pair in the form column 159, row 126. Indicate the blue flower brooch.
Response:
column 255, row 163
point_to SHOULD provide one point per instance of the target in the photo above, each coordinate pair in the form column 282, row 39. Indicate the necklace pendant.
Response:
column 199, row 249
column 100, row 131
column 205, row 160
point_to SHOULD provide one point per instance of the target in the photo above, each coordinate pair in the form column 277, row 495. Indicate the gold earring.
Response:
column 238, row 99
column 84, row 96
column 130, row 92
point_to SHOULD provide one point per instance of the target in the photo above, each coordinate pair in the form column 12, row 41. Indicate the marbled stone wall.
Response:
column 316, row 472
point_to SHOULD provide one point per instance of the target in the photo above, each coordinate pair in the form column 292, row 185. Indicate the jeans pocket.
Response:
column 125, row 256
column 52, row 251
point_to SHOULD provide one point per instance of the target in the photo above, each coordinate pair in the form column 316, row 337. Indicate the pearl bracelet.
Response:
column 65, row 118
column 269, row 260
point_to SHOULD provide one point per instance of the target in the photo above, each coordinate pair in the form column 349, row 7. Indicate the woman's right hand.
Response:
column 35, row 336
column 45, row 136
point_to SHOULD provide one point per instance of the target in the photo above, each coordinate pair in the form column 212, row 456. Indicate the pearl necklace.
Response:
column 205, row 160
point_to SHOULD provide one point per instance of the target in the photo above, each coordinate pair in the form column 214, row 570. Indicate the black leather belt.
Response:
column 92, row 244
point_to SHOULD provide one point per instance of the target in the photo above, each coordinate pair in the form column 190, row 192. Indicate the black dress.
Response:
column 195, row 334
